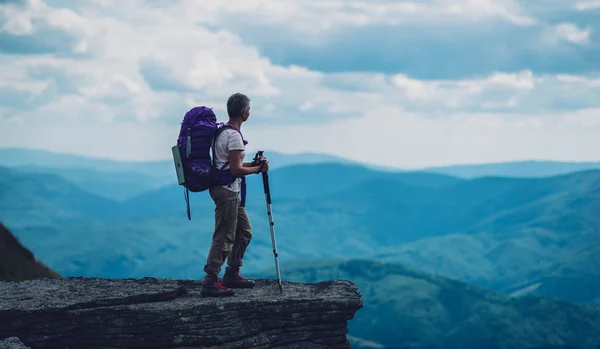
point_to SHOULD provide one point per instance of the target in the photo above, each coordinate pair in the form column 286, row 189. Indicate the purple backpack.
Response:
column 197, row 135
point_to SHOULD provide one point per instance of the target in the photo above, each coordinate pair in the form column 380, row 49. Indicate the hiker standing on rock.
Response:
column 232, row 227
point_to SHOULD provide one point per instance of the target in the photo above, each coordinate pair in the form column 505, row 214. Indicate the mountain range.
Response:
column 506, row 234
column 535, row 236
column 406, row 308
column 122, row 180
column 516, row 169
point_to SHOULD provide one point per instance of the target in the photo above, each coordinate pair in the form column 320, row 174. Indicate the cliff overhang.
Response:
column 165, row 313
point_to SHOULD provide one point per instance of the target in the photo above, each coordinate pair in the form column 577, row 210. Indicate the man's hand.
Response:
column 264, row 166
column 257, row 160
column 261, row 163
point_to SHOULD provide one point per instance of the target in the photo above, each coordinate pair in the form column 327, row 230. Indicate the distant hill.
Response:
column 17, row 263
column 115, row 180
column 119, row 180
column 303, row 182
column 39, row 199
column 576, row 279
column 119, row 186
column 494, row 232
column 522, row 169
column 20, row 157
column 15, row 157
column 316, row 180
column 406, row 308
column 499, row 233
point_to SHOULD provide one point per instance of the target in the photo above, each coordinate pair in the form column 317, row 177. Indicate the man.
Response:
column 232, row 227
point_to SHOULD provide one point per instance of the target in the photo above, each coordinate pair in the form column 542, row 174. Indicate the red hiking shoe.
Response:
column 211, row 287
column 233, row 279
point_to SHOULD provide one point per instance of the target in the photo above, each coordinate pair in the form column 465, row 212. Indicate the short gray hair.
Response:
column 236, row 104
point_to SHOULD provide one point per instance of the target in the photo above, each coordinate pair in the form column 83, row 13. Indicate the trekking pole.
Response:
column 265, row 176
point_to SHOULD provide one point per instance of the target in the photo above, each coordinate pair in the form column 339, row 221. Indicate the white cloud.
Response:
column 145, row 66
column 396, row 138
column 570, row 32
column 465, row 93
column 588, row 5
column 582, row 81
column 37, row 17
column 314, row 16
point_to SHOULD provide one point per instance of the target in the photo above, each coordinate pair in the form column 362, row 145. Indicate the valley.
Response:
column 496, row 243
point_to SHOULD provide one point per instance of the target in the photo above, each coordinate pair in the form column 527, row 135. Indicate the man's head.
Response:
column 238, row 106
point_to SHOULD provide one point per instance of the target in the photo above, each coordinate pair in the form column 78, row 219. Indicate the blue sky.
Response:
column 396, row 83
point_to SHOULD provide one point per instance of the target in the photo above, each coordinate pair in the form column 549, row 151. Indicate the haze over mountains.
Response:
column 117, row 180
column 535, row 236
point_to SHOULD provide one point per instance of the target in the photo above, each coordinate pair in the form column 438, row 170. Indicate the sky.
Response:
column 407, row 84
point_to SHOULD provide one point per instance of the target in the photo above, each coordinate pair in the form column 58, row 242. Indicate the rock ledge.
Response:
column 166, row 313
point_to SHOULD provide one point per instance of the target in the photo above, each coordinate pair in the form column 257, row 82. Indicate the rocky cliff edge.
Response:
column 165, row 313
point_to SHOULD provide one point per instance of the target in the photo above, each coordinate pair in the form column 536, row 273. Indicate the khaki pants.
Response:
column 232, row 232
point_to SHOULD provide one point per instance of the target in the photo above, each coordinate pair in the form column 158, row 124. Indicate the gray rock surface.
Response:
column 165, row 313
column 12, row 343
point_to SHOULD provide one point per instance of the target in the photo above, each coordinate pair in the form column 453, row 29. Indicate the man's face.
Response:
column 246, row 114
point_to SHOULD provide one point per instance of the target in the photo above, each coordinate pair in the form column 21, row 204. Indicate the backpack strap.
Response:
column 188, row 144
column 214, row 154
column 243, row 184
column 217, row 133
column 187, row 202
column 243, row 194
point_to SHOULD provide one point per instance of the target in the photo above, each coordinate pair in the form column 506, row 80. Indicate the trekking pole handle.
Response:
column 256, row 161
column 265, row 176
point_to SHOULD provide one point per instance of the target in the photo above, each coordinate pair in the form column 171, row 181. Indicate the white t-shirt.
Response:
column 229, row 139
